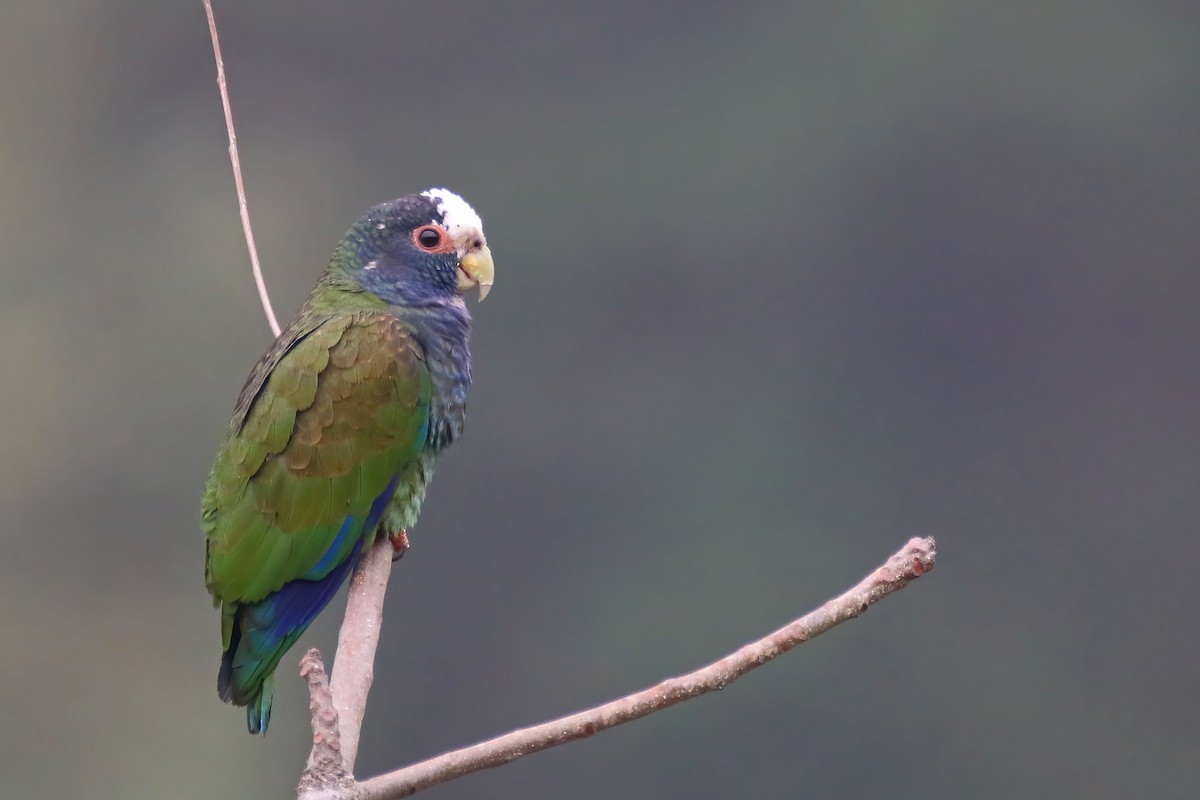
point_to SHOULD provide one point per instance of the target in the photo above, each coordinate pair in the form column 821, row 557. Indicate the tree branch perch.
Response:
column 354, row 664
column 915, row 559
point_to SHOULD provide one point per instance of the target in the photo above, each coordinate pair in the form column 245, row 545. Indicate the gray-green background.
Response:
column 779, row 286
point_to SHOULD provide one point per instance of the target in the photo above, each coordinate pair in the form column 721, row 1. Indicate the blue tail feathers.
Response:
column 258, row 713
column 264, row 631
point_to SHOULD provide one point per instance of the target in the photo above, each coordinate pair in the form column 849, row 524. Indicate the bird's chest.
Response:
column 450, row 377
column 450, row 372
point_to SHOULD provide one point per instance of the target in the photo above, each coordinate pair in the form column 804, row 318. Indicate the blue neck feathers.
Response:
column 444, row 331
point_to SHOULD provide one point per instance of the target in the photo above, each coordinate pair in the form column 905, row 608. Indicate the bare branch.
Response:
column 325, row 771
column 353, row 666
column 237, row 173
column 915, row 559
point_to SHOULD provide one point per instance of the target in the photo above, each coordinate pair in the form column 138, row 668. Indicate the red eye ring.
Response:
column 432, row 239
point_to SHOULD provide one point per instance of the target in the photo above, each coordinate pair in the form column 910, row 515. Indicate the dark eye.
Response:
column 429, row 237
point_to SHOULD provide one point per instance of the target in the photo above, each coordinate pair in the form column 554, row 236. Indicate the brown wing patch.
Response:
column 339, row 415
column 348, row 418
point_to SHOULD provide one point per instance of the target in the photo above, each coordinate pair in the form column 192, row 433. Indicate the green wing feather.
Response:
column 328, row 418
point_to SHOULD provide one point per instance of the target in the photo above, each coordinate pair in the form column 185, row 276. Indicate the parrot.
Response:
column 337, row 430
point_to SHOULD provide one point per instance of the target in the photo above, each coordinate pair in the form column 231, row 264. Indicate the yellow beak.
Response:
column 476, row 269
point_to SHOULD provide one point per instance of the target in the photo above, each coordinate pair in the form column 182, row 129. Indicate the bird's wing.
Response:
column 324, row 426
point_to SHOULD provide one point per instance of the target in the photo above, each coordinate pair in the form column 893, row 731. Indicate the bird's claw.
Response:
column 399, row 544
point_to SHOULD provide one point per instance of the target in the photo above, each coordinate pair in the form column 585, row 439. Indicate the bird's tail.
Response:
column 256, row 698
column 261, row 634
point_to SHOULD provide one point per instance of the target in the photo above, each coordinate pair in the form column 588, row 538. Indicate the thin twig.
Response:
column 915, row 559
column 354, row 664
column 237, row 174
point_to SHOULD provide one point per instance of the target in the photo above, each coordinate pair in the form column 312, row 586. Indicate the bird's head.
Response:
column 421, row 249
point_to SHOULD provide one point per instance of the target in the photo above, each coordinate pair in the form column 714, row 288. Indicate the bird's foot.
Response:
column 399, row 544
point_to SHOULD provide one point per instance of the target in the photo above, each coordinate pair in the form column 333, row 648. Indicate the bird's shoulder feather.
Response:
column 326, row 421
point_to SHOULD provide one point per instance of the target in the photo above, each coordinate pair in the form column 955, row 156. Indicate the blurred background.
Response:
column 780, row 285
